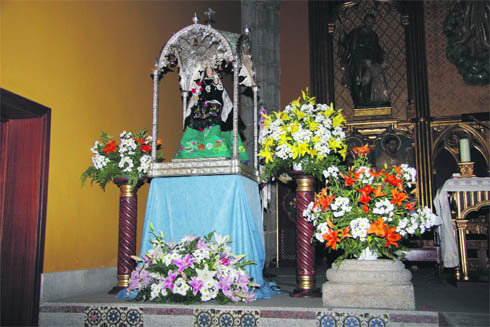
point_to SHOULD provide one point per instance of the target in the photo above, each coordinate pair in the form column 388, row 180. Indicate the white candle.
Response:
column 464, row 150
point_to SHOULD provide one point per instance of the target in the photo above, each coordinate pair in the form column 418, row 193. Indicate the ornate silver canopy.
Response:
column 191, row 50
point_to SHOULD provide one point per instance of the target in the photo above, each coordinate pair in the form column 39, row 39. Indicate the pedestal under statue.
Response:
column 380, row 283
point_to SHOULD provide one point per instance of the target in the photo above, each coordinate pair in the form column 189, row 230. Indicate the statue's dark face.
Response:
column 392, row 146
column 369, row 22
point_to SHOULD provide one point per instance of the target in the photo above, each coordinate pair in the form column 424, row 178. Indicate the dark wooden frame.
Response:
column 24, row 168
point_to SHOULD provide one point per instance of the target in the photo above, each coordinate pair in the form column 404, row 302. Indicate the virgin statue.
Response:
column 206, row 114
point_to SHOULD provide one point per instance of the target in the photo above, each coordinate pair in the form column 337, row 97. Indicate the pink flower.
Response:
column 187, row 262
column 196, row 284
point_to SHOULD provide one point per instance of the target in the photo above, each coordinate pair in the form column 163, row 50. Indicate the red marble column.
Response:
column 128, row 210
column 305, row 251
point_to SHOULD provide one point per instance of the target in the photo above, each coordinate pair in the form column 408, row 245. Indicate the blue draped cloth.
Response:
column 198, row 205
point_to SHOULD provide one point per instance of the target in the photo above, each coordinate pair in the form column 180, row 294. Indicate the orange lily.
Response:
column 324, row 202
column 145, row 148
column 332, row 238
column 378, row 227
column 365, row 199
column 361, row 150
column 393, row 181
column 140, row 141
column 329, row 223
column 391, row 236
column 366, row 190
column 410, row 205
column 398, row 197
column 110, row 147
column 345, row 232
column 398, row 170
column 159, row 142
column 375, row 173
column 359, row 173
column 378, row 192
column 349, row 181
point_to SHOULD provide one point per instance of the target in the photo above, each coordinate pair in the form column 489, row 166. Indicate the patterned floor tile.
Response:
column 106, row 316
column 346, row 319
column 225, row 318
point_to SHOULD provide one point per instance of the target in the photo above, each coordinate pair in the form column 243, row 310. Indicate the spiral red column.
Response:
column 128, row 212
column 305, row 251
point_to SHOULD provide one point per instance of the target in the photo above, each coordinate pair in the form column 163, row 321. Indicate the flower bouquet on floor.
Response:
column 130, row 158
column 361, row 209
column 304, row 136
column 196, row 269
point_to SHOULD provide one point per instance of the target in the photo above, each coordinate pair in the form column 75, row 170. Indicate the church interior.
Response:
column 72, row 69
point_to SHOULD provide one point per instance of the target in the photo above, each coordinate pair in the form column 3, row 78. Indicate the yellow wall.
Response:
column 90, row 61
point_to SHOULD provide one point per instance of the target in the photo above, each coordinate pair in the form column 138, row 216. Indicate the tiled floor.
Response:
column 438, row 302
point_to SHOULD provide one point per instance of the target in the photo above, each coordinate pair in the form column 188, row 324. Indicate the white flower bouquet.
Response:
column 196, row 269
column 130, row 158
column 303, row 133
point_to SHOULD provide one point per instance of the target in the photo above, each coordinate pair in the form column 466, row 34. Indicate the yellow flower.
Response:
column 283, row 139
column 269, row 141
column 334, row 144
column 295, row 127
column 267, row 121
column 312, row 152
column 329, row 111
column 338, row 120
column 315, row 139
column 299, row 113
column 303, row 148
column 295, row 151
column 313, row 125
column 343, row 152
column 295, row 103
column 267, row 154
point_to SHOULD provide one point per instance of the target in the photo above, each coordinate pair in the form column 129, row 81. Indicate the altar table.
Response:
column 469, row 194
column 198, row 205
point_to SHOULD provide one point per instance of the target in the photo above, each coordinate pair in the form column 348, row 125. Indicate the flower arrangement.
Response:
column 196, row 269
column 130, row 158
column 304, row 133
column 361, row 208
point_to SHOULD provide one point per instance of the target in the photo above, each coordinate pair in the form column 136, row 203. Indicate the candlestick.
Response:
column 464, row 150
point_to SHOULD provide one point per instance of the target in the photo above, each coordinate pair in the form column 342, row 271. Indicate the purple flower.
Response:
column 224, row 284
column 196, row 284
column 225, row 261
column 137, row 277
column 201, row 244
column 187, row 262
column 168, row 282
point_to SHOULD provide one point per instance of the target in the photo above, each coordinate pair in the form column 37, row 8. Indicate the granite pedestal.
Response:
column 378, row 283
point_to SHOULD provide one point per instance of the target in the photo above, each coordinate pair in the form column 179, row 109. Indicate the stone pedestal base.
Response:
column 369, row 284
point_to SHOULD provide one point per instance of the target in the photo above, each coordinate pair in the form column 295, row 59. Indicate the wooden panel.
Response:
column 24, row 166
column 20, row 223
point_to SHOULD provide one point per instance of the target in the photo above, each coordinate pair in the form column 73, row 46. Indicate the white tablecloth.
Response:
column 449, row 247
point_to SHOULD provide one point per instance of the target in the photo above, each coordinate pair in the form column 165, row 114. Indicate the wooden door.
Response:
column 24, row 130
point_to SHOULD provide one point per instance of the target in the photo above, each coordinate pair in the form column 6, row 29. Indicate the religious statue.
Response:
column 389, row 157
column 206, row 114
column 468, row 40
column 363, row 62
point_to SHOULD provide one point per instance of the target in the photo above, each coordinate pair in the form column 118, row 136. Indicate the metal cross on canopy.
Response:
column 209, row 13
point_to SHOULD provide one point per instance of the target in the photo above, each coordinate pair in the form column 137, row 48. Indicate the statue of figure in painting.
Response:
column 362, row 58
